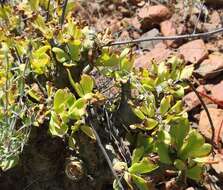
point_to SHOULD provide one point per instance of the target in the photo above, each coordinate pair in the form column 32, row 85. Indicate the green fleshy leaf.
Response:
column 145, row 141
column 149, row 110
column 193, row 143
column 165, row 104
column 42, row 50
column 138, row 113
column 76, row 126
column 163, row 152
column 141, row 183
column 85, row 86
column 177, row 108
column 204, row 150
column 179, row 128
column 34, row 4
column 40, row 24
column 178, row 92
column 77, row 110
column 195, row 173
column 144, row 166
column 106, row 59
column 39, row 65
column 59, row 101
column 88, row 131
column 137, row 154
column 126, row 64
column 34, row 94
column 61, row 55
column 187, row 72
column 56, row 127
column 150, row 124
column 74, row 50
column 62, row 100
column 72, row 143
column 179, row 164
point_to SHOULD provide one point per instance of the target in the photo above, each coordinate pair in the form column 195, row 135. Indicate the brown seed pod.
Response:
column 74, row 169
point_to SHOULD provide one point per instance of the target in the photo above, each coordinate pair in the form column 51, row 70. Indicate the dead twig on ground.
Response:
column 186, row 36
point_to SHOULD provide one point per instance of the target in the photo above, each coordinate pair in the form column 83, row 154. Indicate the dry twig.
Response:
column 207, row 112
column 186, row 36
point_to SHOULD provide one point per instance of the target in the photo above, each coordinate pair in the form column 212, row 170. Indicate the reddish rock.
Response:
column 194, row 51
column 113, row 24
column 220, row 44
column 181, row 29
column 204, row 125
column 149, row 45
column 142, row 61
column 212, row 47
column 159, row 53
column 135, row 23
column 215, row 18
column 153, row 15
column 218, row 166
column 212, row 66
column 207, row 27
column 124, row 35
column 191, row 100
column 135, row 35
column 157, row 13
column 217, row 92
column 171, row 185
column 168, row 28
column 131, row 22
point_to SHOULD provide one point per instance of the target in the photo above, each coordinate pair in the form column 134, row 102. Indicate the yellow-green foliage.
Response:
column 38, row 51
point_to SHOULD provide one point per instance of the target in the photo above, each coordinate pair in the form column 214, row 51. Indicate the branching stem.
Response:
column 207, row 112
column 104, row 151
column 63, row 13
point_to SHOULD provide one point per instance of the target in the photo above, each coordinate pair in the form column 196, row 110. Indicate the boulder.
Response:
column 151, row 15
column 194, row 51
column 168, row 28
column 148, row 45
column 191, row 100
column 215, row 18
column 158, row 54
column 204, row 125
column 217, row 92
column 218, row 166
column 211, row 67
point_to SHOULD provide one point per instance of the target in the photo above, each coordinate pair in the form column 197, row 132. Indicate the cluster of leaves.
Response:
column 43, row 80
column 30, row 49
column 164, row 128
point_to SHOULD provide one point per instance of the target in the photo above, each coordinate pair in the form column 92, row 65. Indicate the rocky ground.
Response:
column 133, row 19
